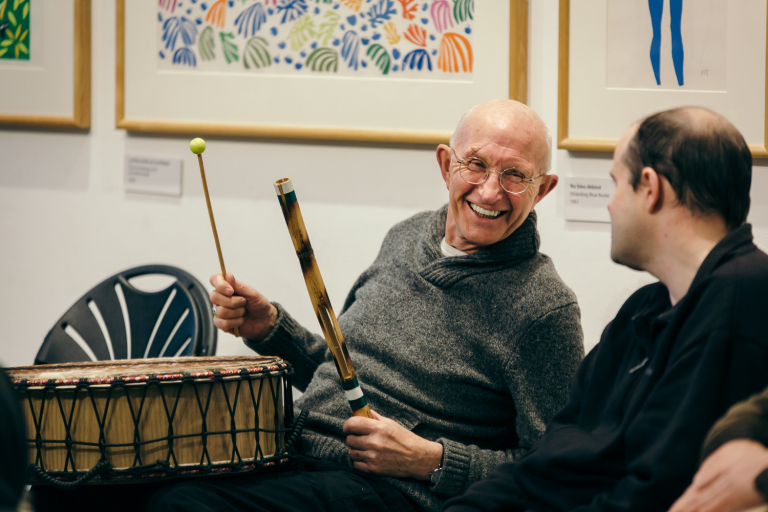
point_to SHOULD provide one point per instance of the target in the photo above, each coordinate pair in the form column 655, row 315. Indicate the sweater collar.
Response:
column 522, row 244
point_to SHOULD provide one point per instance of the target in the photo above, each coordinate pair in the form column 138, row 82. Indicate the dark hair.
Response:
column 703, row 156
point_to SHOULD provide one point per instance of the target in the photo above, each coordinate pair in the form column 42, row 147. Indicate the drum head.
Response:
column 96, row 370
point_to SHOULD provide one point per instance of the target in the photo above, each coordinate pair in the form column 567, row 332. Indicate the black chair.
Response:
column 115, row 320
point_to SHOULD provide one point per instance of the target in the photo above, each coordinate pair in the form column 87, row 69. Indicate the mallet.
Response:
column 198, row 146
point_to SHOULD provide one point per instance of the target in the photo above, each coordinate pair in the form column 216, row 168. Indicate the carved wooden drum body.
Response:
column 130, row 420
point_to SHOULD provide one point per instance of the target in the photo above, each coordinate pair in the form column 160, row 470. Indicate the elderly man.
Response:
column 464, row 339
column 678, row 353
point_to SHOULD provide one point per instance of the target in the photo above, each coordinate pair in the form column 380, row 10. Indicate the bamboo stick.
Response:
column 319, row 297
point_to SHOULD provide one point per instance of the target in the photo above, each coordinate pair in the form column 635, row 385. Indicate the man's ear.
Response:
column 444, row 155
column 548, row 184
column 652, row 187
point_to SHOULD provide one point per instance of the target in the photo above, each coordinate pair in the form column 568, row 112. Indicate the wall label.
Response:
column 153, row 175
column 586, row 199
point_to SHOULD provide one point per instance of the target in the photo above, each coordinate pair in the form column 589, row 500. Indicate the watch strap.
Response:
column 456, row 462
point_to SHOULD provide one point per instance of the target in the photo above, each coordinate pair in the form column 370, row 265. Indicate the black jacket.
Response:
column 13, row 446
column 645, row 396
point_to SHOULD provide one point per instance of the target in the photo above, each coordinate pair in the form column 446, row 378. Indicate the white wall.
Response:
column 66, row 223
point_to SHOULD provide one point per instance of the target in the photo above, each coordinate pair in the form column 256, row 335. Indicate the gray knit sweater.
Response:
column 476, row 352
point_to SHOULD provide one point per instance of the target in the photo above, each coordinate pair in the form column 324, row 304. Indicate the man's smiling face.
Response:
column 503, row 135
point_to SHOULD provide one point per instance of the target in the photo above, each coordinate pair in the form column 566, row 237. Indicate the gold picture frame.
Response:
column 518, row 63
column 80, row 117
column 565, row 139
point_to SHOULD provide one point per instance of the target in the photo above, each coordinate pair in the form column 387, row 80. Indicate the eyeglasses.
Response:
column 475, row 171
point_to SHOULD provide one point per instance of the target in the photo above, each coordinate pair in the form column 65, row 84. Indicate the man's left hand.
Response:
column 384, row 447
column 725, row 481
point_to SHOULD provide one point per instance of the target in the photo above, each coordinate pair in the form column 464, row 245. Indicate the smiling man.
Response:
column 463, row 337
column 495, row 139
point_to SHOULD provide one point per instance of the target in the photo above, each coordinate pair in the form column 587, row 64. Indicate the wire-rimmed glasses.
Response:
column 475, row 171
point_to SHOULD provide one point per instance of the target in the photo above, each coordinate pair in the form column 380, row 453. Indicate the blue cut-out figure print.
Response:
column 676, row 13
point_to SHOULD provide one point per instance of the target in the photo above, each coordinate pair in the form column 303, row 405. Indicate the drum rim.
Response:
column 143, row 370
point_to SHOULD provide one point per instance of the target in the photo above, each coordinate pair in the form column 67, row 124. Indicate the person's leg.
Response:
column 315, row 486
column 656, row 7
column 678, row 54
column 114, row 498
column 496, row 493
column 256, row 493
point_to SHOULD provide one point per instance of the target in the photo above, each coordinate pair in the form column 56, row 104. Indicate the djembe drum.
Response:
column 144, row 419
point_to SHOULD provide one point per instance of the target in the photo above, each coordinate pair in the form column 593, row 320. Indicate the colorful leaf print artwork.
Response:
column 14, row 29
column 409, row 8
column 352, row 38
column 416, row 35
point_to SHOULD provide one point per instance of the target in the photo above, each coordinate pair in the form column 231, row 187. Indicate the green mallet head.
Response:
column 197, row 146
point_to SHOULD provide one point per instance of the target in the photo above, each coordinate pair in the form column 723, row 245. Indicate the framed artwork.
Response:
column 44, row 44
column 621, row 61
column 394, row 71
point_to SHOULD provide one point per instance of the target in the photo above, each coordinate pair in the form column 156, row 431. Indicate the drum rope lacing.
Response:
column 70, row 477
column 297, row 429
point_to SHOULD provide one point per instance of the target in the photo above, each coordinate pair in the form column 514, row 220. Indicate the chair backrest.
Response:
column 115, row 320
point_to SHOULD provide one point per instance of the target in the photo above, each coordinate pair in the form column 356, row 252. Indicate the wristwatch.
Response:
column 434, row 475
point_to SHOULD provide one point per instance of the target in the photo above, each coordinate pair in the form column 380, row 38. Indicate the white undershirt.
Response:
column 449, row 250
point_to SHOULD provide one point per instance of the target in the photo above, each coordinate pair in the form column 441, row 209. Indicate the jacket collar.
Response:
column 739, row 238
column 658, row 307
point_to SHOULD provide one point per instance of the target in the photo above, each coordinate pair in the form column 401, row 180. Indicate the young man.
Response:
column 678, row 353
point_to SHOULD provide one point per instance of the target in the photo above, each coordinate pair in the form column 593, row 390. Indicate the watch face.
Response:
column 434, row 476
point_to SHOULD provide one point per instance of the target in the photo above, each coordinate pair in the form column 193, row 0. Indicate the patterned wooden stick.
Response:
column 319, row 297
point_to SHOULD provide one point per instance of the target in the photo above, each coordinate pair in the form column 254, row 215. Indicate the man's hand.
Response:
column 384, row 447
column 726, row 480
column 239, row 305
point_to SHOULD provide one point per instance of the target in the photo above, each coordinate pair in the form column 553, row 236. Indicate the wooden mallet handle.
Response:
column 198, row 146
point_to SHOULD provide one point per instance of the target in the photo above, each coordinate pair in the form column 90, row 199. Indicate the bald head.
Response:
column 512, row 118
column 702, row 155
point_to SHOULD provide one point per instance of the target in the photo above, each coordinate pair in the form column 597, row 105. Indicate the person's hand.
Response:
column 726, row 479
column 239, row 305
column 384, row 447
